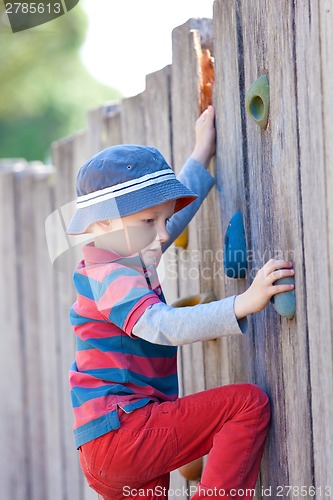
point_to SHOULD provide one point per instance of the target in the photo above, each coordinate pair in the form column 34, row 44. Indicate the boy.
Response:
column 130, row 426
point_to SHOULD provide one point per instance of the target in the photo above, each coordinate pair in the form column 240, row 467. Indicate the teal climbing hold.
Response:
column 285, row 303
column 235, row 251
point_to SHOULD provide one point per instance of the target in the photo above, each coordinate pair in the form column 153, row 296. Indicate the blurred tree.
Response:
column 45, row 90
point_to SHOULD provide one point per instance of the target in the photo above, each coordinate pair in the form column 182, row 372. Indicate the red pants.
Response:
column 230, row 423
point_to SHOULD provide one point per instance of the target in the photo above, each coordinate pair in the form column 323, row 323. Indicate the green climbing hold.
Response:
column 257, row 101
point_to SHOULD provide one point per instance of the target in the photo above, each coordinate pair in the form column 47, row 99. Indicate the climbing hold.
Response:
column 193, row 470
column 193, row 300
column 182, row 239
column 257, row 101
column 235, row 252
column 285, row 303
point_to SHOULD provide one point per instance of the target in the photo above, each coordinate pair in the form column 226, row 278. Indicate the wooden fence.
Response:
column 280, row 178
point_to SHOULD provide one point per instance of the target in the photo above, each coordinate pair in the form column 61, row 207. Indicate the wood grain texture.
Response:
column 158, row 134
column 230, row 182
column 97, row 127
column 267, row 177
column 14, row 473
column 324, row 459
column 113, row 127
column 157, row 110
column 28, row 310
column 81, row 152
column 187, row 42
column 42, row 197
column 133, row 127
column 63, row 160
column 280, row 353
column 185, row 94
column 314, row 72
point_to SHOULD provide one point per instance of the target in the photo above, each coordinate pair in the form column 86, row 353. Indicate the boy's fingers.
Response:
column 281, row 273
column 273, row 264
column 208, row 111
column 204, row 115
column 275, row 289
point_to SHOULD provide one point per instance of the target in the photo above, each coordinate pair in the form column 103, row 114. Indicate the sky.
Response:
column 128, row 39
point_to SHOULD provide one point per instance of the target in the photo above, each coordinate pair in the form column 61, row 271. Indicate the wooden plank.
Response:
column 185, row 99
column 113, row 127
column 81, row 152
column 314, row 36
column 97, row 127
column 14, row 472
column 62, row 159
column 185, row 86
column 133, row 128
column 27, row 307
column 324, row 461
column 157, row 106
column 71, row 154
column 187, row 42
column 279, row 347
column 42, row 197
column 230, row 186
column 158, row 135
column 80, row 155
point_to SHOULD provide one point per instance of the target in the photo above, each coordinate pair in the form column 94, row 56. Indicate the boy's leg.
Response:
column 229, row 423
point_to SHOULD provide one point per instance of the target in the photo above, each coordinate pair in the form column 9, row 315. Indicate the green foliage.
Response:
column 44, row 87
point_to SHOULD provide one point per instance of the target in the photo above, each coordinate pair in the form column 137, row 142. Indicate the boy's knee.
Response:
column 258, row 396
column 263, row 403
column 259, row 393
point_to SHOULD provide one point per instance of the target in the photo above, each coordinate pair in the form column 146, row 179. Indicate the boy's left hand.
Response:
column 257, row 296
column 205, row 137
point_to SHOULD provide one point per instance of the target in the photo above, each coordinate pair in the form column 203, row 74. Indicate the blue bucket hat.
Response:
column 122, row 180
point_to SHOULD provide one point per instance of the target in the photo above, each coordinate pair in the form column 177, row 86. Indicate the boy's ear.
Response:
column 105, row 224
column 102, row 227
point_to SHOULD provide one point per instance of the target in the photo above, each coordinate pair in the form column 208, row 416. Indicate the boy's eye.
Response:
column 151, row 221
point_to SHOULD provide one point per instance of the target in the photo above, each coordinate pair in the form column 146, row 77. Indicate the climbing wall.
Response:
column 279, row 178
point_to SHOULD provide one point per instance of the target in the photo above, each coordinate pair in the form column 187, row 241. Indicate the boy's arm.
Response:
column 163, row 324
column 167, row 325
column 194, row 176
column 194, row 173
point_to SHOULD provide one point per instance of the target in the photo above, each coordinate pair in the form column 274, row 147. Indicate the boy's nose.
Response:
column 162, row 234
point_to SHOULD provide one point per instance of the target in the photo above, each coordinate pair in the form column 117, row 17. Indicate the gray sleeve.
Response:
column 167, row 325
column 197, row 178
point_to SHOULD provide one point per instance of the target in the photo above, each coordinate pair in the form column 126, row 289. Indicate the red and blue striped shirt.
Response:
column 113, row 367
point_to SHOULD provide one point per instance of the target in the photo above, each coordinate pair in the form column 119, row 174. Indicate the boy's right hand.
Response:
column 205, row 137
column 257, row 296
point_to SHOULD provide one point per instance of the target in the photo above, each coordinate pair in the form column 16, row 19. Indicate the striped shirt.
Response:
column 112, row 367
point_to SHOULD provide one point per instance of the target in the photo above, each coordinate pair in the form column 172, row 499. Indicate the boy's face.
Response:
column 143, row 231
